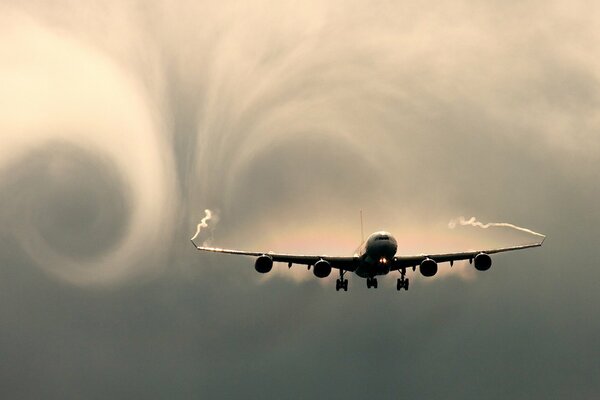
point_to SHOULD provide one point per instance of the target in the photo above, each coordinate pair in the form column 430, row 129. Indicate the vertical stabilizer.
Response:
column 362, row 232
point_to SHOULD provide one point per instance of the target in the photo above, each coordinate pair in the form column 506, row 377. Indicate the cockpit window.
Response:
column 383, row 237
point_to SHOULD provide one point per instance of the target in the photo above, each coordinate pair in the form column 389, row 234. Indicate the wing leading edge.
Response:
column 343, row 263
column 412, row 261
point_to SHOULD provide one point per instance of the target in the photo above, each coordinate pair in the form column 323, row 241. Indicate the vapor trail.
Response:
column 203, row 223
column 473, row 222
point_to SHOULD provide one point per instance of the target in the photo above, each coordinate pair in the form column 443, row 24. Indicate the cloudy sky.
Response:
column 122, row 121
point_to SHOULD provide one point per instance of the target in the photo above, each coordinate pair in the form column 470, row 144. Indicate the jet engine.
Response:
column 322, row 269
column 428, row 267
column 483, row 262
column 263, row 264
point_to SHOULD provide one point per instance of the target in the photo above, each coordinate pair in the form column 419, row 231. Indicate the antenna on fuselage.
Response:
column 362, row 233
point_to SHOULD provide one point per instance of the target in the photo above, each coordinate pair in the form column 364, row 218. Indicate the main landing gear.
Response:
column 341, row 283
column 372, row 283
column 402, row 281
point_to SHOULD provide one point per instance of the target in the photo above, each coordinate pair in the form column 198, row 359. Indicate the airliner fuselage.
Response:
column 376, row 254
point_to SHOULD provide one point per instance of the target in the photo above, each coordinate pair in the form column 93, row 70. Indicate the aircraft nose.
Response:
column 386, row 252
column 392, row 248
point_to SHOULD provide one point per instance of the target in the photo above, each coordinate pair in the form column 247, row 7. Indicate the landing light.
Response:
column 383, row 260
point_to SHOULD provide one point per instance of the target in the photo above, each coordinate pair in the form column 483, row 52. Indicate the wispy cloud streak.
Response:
column 203, row 224
column 473, row 222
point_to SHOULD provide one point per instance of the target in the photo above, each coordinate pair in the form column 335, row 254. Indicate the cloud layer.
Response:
column 121, row 122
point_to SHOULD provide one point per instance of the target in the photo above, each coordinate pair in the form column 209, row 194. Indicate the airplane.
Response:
column 376, row 256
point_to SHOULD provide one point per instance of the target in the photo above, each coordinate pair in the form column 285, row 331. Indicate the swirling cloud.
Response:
column 56, row 89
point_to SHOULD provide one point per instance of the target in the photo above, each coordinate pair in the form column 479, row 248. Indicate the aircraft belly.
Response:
column 369, row 269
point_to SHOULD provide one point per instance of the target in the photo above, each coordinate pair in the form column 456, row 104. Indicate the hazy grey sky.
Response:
column 121, row 121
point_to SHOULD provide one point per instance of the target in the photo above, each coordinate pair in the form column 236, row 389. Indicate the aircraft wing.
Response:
column 343, row 263
column 412, row 261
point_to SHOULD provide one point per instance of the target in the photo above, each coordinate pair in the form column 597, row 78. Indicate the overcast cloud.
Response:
column 121, row 122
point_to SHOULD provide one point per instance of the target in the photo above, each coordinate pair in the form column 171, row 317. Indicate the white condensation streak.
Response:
column 473, row 222
column 203, row 223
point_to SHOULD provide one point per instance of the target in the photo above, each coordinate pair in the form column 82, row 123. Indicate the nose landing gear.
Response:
column 402, row 281
column 372, row 283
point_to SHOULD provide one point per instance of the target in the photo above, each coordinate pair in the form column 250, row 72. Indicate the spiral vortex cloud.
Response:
column 57, row 90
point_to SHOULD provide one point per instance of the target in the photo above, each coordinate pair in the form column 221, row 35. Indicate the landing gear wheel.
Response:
column 372, row 283
column 402, row 281
column 402, row 284
column 341, row 283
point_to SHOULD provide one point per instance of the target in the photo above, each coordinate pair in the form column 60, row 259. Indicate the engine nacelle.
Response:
column 428, row 267
column 322, row 269
column 263, row 264
column 483, row 262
